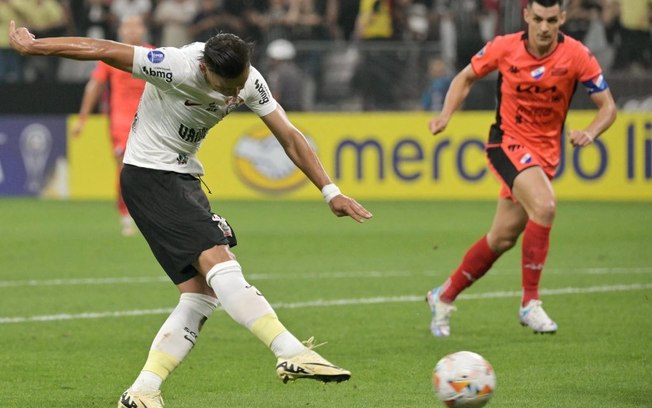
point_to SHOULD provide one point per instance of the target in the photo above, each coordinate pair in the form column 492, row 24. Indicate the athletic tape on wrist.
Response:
column 329, row 191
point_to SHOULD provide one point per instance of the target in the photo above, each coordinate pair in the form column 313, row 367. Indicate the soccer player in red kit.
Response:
column 124, row 96
column 539, row 70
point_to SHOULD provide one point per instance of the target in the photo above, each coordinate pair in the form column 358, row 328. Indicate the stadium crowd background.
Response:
column 360, row 55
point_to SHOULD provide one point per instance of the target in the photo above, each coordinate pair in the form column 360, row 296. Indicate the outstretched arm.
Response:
column 116, row 54
column 457, row 93
column 299, row 151
column 604, row 117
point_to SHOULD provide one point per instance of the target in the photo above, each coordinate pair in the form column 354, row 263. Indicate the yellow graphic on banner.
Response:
column 261, row 163
column 393, row 156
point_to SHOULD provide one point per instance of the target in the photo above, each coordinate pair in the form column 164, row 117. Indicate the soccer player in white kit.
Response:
column 188, row 91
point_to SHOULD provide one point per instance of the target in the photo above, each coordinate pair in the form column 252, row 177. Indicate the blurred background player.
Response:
column 124, row 95
column 539, row 70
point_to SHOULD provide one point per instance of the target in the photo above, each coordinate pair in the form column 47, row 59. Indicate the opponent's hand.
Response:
column 20, row 38
column 77, row 128
column 437, row 125
column 342, row 206
column 580, row 138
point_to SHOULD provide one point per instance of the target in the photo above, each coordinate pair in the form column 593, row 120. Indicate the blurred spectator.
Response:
column 596, row 37
column 331, row 21
column 11, row 63
column 461, row 34
column 375, row 20
column 345, row 14
column 213, row 18
column 174, row 18
column 510, row 16
column 95, row 19
column 634, row 52
column 578, row 18
column 306, row 19
column 270, row 20
column 433, row 96
column 46, row 18
column 123, row 8
column 416, row 24
column 375, row 74
column 285, row 78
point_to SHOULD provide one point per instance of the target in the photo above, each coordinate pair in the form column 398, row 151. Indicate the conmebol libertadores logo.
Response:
column 262, row 164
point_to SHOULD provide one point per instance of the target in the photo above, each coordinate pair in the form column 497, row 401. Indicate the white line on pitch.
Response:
column 332, row 302
column 318, row 275
column 163, row 278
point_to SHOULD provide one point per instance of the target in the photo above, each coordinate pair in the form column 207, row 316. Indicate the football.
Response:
column 464, row 379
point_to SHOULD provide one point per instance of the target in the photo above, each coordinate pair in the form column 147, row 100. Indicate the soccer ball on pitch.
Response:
column 464, row 379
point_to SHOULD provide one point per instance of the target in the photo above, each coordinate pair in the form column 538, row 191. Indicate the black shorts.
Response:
column 174, row 215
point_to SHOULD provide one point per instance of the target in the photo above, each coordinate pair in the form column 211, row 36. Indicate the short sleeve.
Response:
column 486, row 60
column 163, row 67
column 588, row 65
column 257, row 95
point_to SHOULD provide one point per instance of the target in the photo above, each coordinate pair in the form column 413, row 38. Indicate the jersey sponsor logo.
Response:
column 535, row 111
column 188, row 102
column 536, row 89
column 514, row 147
column 262, row 164
column 155, row 56
column 538, row 73
column 513, row 69
column 158, row 73
column 192, row 135
column 262, row 91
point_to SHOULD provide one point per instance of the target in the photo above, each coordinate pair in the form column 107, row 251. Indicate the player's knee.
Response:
column 544, row 212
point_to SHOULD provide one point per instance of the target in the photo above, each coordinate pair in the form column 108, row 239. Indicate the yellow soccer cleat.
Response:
column 309, row 364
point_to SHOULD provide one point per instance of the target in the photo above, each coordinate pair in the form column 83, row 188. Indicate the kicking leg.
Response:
column 247, row 306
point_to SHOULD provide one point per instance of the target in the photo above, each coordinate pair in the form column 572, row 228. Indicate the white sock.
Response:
column 285, row 345
column 147, row 381
column 247, row 306
column 174, row 340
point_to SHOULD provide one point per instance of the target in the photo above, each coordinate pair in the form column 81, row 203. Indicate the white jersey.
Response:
column 178, row 107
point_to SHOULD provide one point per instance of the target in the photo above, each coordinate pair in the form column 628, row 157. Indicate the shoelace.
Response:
column 310, row 343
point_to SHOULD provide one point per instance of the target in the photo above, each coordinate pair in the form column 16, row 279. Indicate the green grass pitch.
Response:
column 79, row 306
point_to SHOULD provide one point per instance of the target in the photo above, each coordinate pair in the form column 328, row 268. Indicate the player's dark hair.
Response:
column 227, row 55
column 547, row 3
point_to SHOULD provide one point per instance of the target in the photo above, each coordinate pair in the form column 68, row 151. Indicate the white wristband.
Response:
column 329, row 191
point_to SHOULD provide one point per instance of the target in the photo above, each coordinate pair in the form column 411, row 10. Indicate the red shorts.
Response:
column 509, row 158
